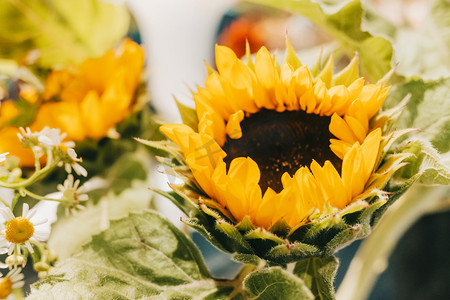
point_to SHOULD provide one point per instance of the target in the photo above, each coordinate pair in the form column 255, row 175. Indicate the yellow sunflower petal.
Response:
column 356, row 127
column 233, row 128
column 322, row 98
column 309, row 190
column 91, row 112
column 214, row 90
column 244, row 169
column 303, row 81
column 353, row 169
column 330, row 184
column 265, row 70
column 201, row 170
column 179, row 133
column 340, row 129
column 225, row 58
column 356, row 110
column 373, row 104
column 236, row 199
column 210, row 121
column 339, row 147
column 63, row 115
column 370, row 149
column 355, row 88
column 264, row 214
column 340, row 99
column 206, row 149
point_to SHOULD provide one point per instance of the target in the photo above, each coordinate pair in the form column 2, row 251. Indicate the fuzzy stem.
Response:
column 371, row 258
column 38, row 197
column 32, row 179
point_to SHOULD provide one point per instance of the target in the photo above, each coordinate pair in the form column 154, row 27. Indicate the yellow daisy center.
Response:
column 19, row 230
column 282, row 142
column 5, row 287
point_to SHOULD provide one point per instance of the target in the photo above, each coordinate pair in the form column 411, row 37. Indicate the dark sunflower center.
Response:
column 282, row 142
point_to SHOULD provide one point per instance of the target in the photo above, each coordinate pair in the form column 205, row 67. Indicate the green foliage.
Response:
column 423, row 51
column 275, row 283
column 426, row 164
column 342, row 20
column 188, row 115
column 95, row 217
column 64, row 31
column 318, row 274
column 427, row 110
column 139, row 256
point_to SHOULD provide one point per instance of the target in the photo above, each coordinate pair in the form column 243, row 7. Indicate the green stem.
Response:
column 32, row 179
column 371, row 258
column 14, row 200
column 38, row 197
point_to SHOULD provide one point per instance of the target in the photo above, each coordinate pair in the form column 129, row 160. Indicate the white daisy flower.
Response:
column 73, row 193
column 51, row 137
column 19, row 231
column 74, row 164
column 12, row 280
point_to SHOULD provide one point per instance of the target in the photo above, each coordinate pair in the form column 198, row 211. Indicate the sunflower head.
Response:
column 282, row 163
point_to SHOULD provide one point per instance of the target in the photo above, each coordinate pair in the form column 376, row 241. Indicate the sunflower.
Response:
column 84, row 101
column 276, row 144
column 88, row 101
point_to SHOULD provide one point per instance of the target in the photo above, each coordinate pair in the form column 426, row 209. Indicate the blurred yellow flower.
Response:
column 8, row 134
column 274, row 143
column 84, row 101
column 90, row 100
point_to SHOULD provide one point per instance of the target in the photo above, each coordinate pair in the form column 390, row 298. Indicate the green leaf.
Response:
column 427, row 164
column 247, row 259
column 95, row 218
column 342, row 20
column 428, row 109
column 292, row 252
column 318, row 274
column 275, row 283
column 64, row 31
column 423, row 51
column 188, row 115
column 140, row 256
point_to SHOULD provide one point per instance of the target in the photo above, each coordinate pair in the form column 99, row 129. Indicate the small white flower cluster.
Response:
column 21, row 235
column 50, row 141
